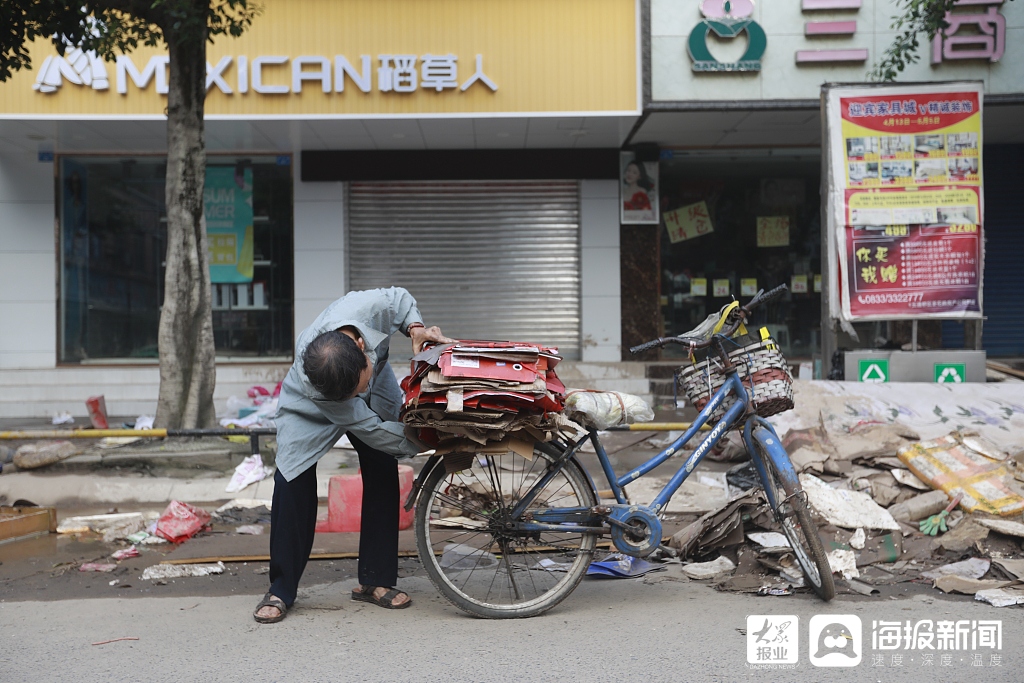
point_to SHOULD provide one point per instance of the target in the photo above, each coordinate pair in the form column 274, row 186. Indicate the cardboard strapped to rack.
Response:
column 472, row 393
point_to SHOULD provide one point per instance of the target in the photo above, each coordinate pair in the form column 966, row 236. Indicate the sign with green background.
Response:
column 227, row 205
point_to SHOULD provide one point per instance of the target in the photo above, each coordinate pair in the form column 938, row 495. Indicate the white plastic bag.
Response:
column 604, row 409
column 249, row 471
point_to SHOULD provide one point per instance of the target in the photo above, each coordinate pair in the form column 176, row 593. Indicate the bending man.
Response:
column 340, row 383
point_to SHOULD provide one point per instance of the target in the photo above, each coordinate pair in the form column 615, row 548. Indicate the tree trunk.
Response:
column 187, row 360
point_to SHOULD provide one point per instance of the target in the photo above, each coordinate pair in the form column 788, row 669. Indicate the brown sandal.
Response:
column 387, row 601
column 270, row 600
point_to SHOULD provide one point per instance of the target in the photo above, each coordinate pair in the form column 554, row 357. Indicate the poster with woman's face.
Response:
column 638, row 190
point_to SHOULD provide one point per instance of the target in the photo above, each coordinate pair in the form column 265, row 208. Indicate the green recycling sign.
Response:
column 950, row 373
column 873, row 370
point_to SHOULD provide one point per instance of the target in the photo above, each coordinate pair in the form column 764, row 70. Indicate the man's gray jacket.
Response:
column 308, row 425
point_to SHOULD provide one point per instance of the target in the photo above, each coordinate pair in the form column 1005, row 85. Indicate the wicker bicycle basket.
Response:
column 760, row 365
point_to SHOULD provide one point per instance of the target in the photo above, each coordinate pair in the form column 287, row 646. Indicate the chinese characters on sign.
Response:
column 227, row 205
column 688, row 222
column 985, row 37
column 831, row 29
column 772, row 639
column 906, row 202
column 773, row 231
column 399, row 73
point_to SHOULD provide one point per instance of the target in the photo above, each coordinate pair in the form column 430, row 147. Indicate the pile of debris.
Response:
column 889, row 507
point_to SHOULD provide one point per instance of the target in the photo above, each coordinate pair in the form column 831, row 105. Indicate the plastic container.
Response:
column 345, row 502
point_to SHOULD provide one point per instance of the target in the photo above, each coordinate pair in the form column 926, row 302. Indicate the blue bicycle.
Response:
column 510, row 535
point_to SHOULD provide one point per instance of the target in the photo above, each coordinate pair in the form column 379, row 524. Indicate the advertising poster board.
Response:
column 227, row 205
column 638, row 191
column 905, row 201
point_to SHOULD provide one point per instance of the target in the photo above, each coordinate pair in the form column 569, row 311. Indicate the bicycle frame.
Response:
column 569, row 519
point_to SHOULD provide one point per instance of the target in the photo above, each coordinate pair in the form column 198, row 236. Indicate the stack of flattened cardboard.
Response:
column 477, row 392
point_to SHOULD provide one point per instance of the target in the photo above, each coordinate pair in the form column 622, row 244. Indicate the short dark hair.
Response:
column 333, row 363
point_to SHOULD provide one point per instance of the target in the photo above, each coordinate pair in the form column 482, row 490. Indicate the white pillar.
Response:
column 600, row 286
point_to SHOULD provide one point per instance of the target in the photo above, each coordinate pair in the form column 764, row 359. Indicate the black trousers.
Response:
column 293, row 523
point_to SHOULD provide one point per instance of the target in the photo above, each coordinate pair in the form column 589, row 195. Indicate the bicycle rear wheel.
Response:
column 475, row 562
column 792, row 515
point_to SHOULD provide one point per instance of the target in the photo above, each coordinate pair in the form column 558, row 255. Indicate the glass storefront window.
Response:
column 113, row 238
column 761, row 228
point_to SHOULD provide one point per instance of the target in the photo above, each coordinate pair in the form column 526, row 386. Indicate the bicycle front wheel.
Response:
column 471, row 557
column 792, row 515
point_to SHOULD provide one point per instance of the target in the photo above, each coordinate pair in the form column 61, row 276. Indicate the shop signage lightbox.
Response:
column 365, row 58
column 905, row 201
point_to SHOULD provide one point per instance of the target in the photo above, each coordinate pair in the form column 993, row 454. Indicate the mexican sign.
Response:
column 905, row 201
column 227, row 205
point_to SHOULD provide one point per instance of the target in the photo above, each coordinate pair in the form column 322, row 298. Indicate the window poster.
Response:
column 638, row 190
column 905, row 201
column 227, row 205
column 688, row 222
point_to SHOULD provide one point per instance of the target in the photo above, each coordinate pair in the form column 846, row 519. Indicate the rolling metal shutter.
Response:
column 485, row 260
column 1003, row 225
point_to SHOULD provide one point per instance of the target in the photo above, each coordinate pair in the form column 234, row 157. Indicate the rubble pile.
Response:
column 889, row 507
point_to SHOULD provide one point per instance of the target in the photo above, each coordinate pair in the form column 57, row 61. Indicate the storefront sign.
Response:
column 227, row 205
column 688, row 222
column 905, row 201
column 773, row 231
column 798, row 284
column 722, row 287
column 727, row 19
column 873, row 370
column 638, row 191
column 748, row 286
column 699, row 286
column 379, row 57
column 984, row 39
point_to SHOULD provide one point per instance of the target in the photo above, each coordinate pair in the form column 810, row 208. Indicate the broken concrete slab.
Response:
column 1003, row 526
column 846, row 509
column 1001, row 597
column 708, row 570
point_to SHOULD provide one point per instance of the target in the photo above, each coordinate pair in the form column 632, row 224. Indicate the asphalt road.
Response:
column 654, row 629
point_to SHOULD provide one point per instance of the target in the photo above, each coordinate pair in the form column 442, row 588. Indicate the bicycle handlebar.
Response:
column 738, row 316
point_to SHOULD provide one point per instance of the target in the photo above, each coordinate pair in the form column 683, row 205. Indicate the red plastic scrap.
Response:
column 181, row 521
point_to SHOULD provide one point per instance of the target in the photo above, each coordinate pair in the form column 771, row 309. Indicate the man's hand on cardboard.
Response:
column 420, row 335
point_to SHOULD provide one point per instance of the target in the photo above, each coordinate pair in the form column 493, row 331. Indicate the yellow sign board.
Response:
column 359, row 58
column 688, row 222
column 773, row 231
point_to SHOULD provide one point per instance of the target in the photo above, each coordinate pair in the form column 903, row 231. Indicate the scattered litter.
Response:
column 115, row 640
column 708, row 570
column 774, row 590
column 1014, row 568
column 1001, row 597
column 885, row 549
column 967, row 534
column 113, row 526
column 144, row 422
column 244, row 503
column 857, row 539
column 720, row 527
column 97, row 567
column 179, row 571
column 844, row 508
column 919, row 507
column 937, row 523
column 951, row 583
column 743, row 476
column 843, row 562
column 552, row 566
column 62, row 419
column 769, row 540
column 114, row 582
column 125, row 553
column 618, row 566
column 97, row 407
column 1003, row 526
column 949, row 464
column 244, row 511
column 181, row 521
column 261, row 570
column 137, row 537
column 35, row 455
column 249, row 471
column 250, row 529
column 862, row 588
column 907, row 478
column 974, row 568
column 344, row 442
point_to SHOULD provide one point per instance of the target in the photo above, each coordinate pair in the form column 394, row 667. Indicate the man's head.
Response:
column 336, row 364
